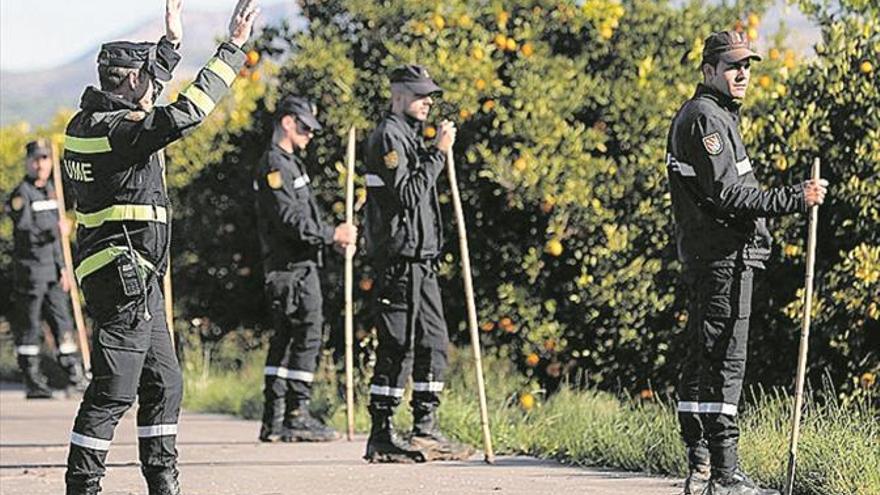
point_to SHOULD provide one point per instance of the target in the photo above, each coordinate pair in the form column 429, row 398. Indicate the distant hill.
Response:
column 36, row 96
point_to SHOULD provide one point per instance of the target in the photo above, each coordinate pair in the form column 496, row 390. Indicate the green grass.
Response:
column 838, row 453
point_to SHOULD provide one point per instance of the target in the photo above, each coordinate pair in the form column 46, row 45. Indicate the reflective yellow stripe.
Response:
column 222, row 69
column 118, row 213
column 103, row 258
column 87, row 145
column 199, row 97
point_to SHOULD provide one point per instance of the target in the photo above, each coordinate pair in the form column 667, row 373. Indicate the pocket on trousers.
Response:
column 125, row 331
column 717, row 289
column 283, row 289
column 123, row 341
column 392, row 293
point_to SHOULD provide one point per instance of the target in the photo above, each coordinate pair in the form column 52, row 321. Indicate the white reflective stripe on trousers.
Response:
column 374, row 180
column 707, row 408
column 28, row 350
column 156, row 431
column 281, row 372
column 427, row 386
column 67, row 348
column 89, row 442
column 386, row 391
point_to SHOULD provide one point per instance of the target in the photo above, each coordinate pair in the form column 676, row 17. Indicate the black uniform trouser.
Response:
column 132, row 357
column 413, row 337
column 294, row 349
column 719, row 306
column 37, row 299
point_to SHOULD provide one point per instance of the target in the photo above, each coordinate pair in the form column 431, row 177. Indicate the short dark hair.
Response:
column 112, row 77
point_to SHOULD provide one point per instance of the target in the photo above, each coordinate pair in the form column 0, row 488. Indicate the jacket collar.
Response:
column 411, row 124
column 95, row 100
column 730, row 104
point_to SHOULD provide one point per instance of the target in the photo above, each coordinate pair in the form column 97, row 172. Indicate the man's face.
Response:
column 40, row 168
column 418, row 106
column 298, row 132
column 730, row 78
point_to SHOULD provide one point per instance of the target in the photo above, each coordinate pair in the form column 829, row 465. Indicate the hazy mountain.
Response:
column 36, row 96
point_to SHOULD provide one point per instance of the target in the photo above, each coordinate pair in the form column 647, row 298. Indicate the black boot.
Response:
column 427, row 437
column 301, row 426
column 736, row 483
column 273, row 417
column 161, row 480
column 384, row 445
column 35, row 382
column 698, row 469
column 90, row 486
column 76, row 380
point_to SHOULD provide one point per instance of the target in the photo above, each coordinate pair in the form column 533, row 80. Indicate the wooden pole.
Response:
column 805, row 338
column 489, row 455
column 349, row 287
column 78, row 319
column 169, row 302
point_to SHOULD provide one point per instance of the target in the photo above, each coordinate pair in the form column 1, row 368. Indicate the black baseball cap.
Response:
column 729, row 46
column 132, row 55
column 416, row 79
column 39, row 148
column 302, row 108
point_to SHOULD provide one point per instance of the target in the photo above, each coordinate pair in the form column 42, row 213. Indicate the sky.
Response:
column 40, row 34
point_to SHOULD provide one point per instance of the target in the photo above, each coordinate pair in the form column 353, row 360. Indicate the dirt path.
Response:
column 219, row 456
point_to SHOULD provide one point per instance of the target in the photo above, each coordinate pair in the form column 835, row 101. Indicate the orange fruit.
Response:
column 501, row 41
column 464, row 114
column 526, row 401
column 255, row 76
column 507, row 325
column 430, row 132
column 488, row 105
column 487, row 326
column 752, row 33
column 520, row 164
column 774, row 54
column 765, row 81
column 244, row 72
column 866, row 67
column 438, row 21
column 465, row 21
column 366, row 284
column 480, row 84
column 527, row 50
column 606, row 32
column 253, row 57
column 554, row 247
column 868, row 379
column 510, row 45
column 503, row 17
column 646, row 394
column 532, row 360
column 550, row 344
column 477, row 53
column 754, row 20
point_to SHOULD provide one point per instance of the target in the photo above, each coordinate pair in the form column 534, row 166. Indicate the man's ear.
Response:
column 133, row 80
column 288, row 123
column 708, row 71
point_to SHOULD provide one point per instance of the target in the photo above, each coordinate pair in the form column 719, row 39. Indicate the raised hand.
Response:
column 174, row 21
column 242, row 22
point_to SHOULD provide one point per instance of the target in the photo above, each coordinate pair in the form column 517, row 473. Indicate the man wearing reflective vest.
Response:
column 41, row 282
column 114, row 164
column 722, row 238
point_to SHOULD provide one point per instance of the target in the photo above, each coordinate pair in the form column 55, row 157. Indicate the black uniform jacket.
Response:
column 403, row 210
column 36, row 239
column 114, row 163
column 288, row 217
column 718, row 205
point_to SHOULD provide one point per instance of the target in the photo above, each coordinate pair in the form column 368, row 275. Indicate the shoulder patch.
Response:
column 135, row 116
column 391, row 159
column 713, row 143
column 17, row 203
column 274, row 179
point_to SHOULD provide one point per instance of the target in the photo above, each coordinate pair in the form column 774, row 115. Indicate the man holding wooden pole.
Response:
column 294, row 239
column 41, row 276
column 404, row 239
column 720, row 210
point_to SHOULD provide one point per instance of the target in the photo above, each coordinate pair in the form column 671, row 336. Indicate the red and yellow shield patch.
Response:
column 274, row 179
column 713, row 143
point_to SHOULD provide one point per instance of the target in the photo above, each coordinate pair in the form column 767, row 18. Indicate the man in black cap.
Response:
column 294, row 237
column 722, row 238
column 114, row 162
column 404, row 237
column 40, row 277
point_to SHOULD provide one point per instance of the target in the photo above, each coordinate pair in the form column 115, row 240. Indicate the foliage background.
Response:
column 563, row 109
